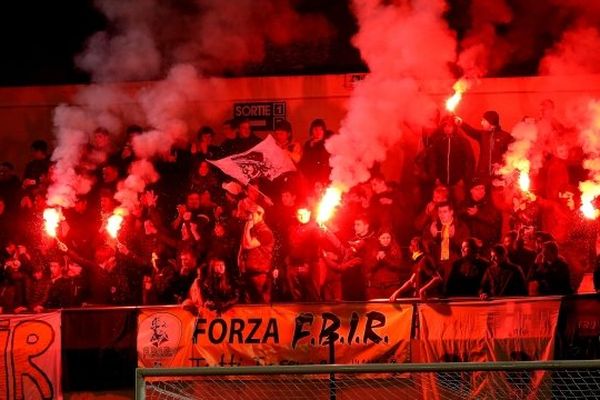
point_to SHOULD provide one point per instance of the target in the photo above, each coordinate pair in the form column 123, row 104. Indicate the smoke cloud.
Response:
column 482, row 49
column 141, row 174
column 145, row 38
column 576, row 54
column 71, row 127
column 576, row 51
column 522, row 155
column 418, row 45
column 97, row 106
column 589, row 136
column 167, row 106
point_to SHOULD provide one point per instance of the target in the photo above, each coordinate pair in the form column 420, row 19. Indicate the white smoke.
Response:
column 168, row 105
column 141, row 174
column 522, row 155
column 480, row 48
column 97, row 107
column 146, row 37
column 131, row 52
column 418, row 45
column 72, row 125
column 589, row 137
column 576, row 54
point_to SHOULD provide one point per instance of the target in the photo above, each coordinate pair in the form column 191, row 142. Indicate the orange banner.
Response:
column 164, row 337
column 31, row 356
column 280, row 334
column 499, row 330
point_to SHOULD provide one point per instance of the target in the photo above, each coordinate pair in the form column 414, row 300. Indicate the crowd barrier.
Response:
column 98, row 349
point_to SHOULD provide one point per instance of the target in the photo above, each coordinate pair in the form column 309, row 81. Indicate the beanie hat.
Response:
column 492, row 117
column 283, row 125
column 478, row 181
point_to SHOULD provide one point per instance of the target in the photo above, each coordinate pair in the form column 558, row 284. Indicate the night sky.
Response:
column 40, row 38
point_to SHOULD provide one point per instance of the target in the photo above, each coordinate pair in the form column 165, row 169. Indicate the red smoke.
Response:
column 148, row 37
column 481, row 49
column 576, row 54
column 418, row 45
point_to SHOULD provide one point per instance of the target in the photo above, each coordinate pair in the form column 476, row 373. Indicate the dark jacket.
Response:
column 492, row 146
column 221, row 292
column 425, row 269
column 553, row 278
column 65, row 292
column 452, row 158
column 387, row 272
column 524, row 258
column 314, row 164
column 484, row 225
column 504, row 279
column 465, row 277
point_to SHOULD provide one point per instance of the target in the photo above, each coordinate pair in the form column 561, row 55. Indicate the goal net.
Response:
column 516, row 380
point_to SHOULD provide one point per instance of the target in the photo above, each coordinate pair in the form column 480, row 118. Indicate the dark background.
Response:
column 39, row 39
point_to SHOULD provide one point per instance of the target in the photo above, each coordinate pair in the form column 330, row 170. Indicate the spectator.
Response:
column 255, row 257
column 37, row 288
column 353, row 277
column 550, row 275
column 445, row 236
column 314, row 164
column 38, row 165
column 502, row 278
column 441, row 195
column 205, row 179
column 467, row 272
column 9, row 186
column 452, row 159
column 284, row 139
column 219, row 289
column 186, row 274
column 387, row 209
column 425, row 280
column 65, row 287
column 227, row 146
column 384, row 266
column 302, row 259
column 482, row 218
column 17, row 267
column 246, row 139
column 518, row 253
column 203, row 149
column 493, row 143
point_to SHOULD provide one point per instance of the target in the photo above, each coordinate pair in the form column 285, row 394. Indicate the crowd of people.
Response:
column 202, row 239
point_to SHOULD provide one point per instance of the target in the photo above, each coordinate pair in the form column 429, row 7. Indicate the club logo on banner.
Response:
column 284, row 335
column 30, row 365
column 499, row 330
column 160, row 339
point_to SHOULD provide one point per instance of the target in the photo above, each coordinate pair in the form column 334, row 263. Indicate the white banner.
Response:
column 265, row 160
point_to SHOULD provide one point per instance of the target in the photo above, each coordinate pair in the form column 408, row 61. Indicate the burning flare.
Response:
column 588, row 210
column 114, row 223
column 330, row 201
column 459, row 87
column 52, row 218
column 524, row 181
column 590, row 190
column 303, row 215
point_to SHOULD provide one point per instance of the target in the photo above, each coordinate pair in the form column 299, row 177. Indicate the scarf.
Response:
column 445, row 247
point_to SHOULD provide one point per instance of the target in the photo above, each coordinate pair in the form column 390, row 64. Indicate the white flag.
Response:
column 265, row 160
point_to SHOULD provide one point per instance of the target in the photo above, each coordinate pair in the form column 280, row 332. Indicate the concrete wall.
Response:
column 26, row 112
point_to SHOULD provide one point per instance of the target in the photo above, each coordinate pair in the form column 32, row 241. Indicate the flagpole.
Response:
column 267, row 198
